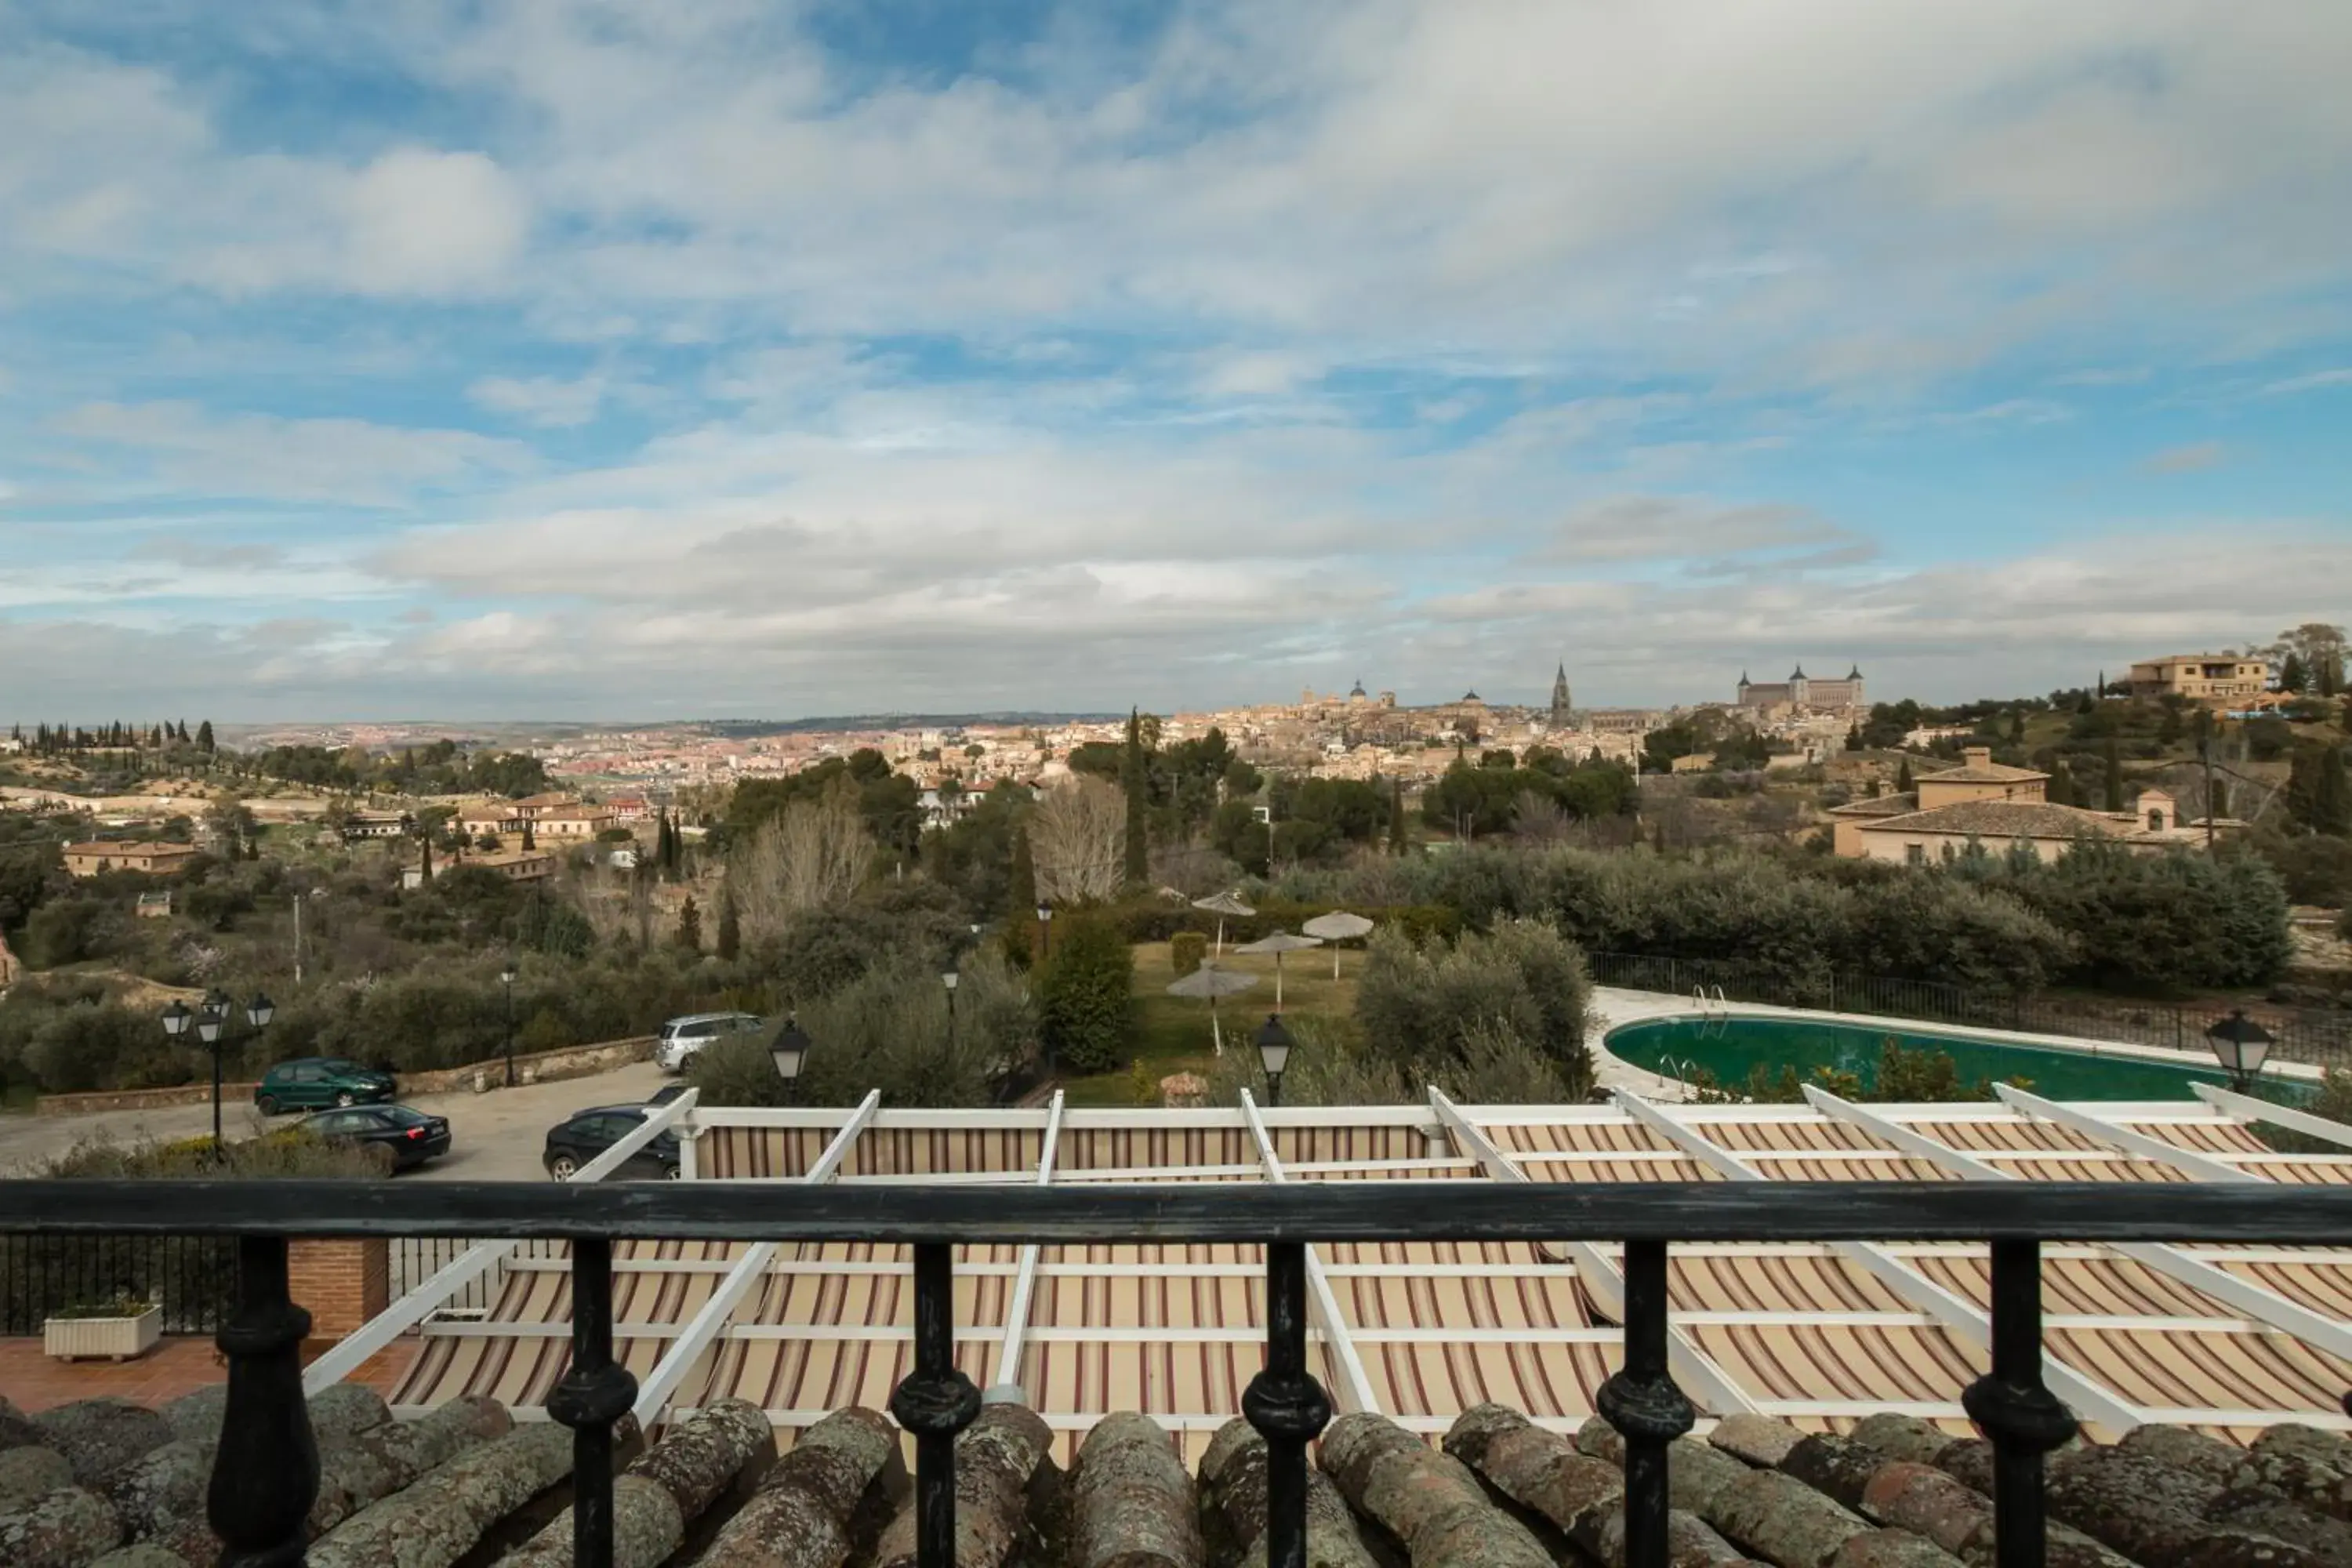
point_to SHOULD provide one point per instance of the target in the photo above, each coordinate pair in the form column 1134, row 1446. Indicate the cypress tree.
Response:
column 2060, row 791
column 2294, row 675
column 1138, row 867
column 1020, row 899
column 1903, row 784
column 731, row 925
column 204, row 736
column 2218, row 805
column 2112, row 756
column 689, row 925
column 1400, row 840
column 425, row 865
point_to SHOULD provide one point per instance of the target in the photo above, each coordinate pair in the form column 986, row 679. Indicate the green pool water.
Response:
column 1731, row 1048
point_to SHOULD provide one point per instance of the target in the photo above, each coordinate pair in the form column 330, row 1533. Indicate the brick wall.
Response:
column 342, row 1284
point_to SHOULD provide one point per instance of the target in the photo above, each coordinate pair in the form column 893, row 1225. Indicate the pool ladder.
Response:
column 1714, row 1011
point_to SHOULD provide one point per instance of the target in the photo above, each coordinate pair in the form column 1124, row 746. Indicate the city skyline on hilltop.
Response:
column 587, row 361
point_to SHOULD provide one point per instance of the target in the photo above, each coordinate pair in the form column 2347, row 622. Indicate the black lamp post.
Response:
column 788, row 1050
column 506, row 983
column 1274, row 1043
column 949, row 980
column 2241, row 1045
column 1046, row 926
column 211, row 1021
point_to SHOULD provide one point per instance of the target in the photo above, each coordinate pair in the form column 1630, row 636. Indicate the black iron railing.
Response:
column 192, row 1277
column 266, row 1479
column 2323, row 1039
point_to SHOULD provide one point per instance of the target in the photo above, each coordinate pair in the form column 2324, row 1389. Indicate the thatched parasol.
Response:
column 1337, row 927
column 1280, row 942
column 1213, row 983
column 1221, row 905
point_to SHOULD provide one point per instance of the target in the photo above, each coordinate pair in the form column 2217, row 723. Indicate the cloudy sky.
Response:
column 580, row 360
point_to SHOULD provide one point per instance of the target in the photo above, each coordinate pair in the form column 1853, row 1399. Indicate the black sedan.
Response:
column 409, row 1136
column 573, row 1143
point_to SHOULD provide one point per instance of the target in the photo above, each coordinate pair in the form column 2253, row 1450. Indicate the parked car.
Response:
column 409, row 1135
column 571, row 1143
column 681, row 1037
column 313, row 1083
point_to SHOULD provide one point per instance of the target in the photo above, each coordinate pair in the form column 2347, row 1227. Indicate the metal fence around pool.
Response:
column 2324, row 1039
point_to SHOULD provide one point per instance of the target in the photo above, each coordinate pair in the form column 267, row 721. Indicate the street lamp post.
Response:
column 506, row 983
column 1274, row 1043
column 1045, row 927
column 789, row 1050
column 2240, row 1046
column 949, row 980
column 211, row 1021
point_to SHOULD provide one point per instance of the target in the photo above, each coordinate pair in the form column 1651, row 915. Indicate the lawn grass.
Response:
column 1175, row 1029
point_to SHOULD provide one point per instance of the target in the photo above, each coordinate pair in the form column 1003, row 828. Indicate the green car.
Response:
column 314, row 1083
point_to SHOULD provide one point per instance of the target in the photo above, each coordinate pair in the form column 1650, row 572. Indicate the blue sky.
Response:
column 604, row 360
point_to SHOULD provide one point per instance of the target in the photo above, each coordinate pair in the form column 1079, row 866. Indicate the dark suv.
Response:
column 314, row 1083
column 570, row 1145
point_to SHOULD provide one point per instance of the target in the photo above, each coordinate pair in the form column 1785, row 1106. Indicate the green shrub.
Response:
column 889, row 1030
column 1086, row 994
column 1491, row 1065
column 1187, row 950
column 288, row 1153
column 1436, row 1014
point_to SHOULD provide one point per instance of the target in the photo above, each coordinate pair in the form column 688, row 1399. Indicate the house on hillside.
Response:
column 2216, row 679
column 364, row 825
column 99, row 855
column 1996, row 805
column 572, row 822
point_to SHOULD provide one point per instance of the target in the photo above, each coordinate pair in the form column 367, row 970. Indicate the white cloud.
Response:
column 349, row 462
column 549, row 402
column 2194, row 458
column 429, row 223
column 2315, row 381
column 1655, row 527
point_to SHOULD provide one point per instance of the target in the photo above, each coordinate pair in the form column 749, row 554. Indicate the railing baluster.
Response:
column 267, row 1473
column 1643, row 1403
column 935, row 1401
column 594, row 1393
column 1285, row 1405
column 2023, row 1419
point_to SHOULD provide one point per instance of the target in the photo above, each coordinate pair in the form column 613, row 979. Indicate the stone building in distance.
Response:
column 1802, row 694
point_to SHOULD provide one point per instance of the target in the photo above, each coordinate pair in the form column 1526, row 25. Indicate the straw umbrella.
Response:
column 1280, row 942
column 1221, row 905
column 1334, row 928
column 1213, row 983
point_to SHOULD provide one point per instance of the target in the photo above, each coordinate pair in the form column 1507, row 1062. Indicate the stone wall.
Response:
column 540, row 1066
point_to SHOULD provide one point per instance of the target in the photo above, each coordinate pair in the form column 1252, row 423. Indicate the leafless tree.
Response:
column 811, row 854
column 1539, row 819
column 1079, row 834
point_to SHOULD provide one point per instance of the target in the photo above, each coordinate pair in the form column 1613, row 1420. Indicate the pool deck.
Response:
column 1615, row 1008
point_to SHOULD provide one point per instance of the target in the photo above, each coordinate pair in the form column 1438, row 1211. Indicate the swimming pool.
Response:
column 1731, row 1048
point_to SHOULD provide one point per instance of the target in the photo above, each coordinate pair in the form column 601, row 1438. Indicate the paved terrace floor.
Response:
column 181, row 1364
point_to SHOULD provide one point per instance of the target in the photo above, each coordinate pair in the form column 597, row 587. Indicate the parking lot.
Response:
column 494, row 1137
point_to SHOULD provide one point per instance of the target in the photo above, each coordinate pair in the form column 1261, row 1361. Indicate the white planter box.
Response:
column 114, row 1338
